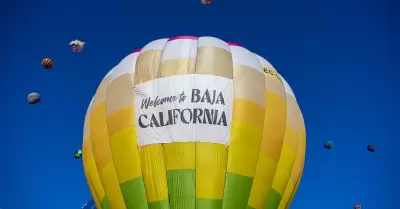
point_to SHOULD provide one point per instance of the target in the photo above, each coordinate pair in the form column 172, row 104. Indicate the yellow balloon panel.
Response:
column 194, row 123
column 91, row 174
column 271, row 144
column 101, row 149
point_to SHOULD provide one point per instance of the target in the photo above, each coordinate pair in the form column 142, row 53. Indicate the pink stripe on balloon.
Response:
column 137, row 50
column 184, row 37
column 233, row 44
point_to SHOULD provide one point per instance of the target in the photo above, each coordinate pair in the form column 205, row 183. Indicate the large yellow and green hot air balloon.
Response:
column 193, row 123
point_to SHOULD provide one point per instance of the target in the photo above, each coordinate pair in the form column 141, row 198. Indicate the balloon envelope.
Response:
column 328, row 145
column 191, row 123
column 77, row 45
column 33, row 98
column 77, row 154
column 371, row 148
column 206, row 1
column 47, row 63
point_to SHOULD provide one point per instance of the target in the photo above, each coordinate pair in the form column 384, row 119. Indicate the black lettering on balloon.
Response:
column 185, row 119
column 220, row 99
column 222, row 119
column 154, row 121
column 146, row 103
column 197, row 113
column 185, row 116
column 140, row 122
column 195, row 95
column 212, row 116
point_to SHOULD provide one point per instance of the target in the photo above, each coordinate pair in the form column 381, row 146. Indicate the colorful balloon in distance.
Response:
column 204, row 124
column 47, row 63
column 206, row 1
column 371, row 148
column 77, row 45
column 33, row 98
column 328, row 145
column 78, row 154
column 357, row 206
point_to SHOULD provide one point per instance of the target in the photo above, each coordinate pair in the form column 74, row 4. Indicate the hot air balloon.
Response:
column 328, row 145
column 204, row 126
column 78, row 154
column 33, row 98
column 77, row 45
column 371, row 148
column 357, row 206
column 47, row 63
column 206, row 1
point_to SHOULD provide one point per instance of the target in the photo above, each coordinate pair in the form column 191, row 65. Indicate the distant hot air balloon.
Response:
column 357, row 206
column 33, row 98
column 167, row 138
column 77, row 45
column 328, row 145
column 78, row 154
column 371, row 148
column 47, row 63
column 206, row 1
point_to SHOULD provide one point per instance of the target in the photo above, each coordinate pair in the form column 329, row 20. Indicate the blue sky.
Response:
column 340, row 57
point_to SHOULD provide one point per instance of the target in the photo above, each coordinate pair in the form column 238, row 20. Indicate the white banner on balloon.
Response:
column 184, row 108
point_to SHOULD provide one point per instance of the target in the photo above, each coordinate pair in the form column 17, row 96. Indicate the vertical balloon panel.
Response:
column 247, row 127
column 188, row 111
column 289, row 150
column 101, row 148
column 295, row 176
column 272, row 138
column 213, row 58
column 122, row 132
column 292, row 183
column 151, row 154
column 179, row 58
column 89, row 164
column 297, row 171
column 296, row 187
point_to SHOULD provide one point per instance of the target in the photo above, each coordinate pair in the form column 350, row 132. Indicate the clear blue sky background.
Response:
column 340, row 57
